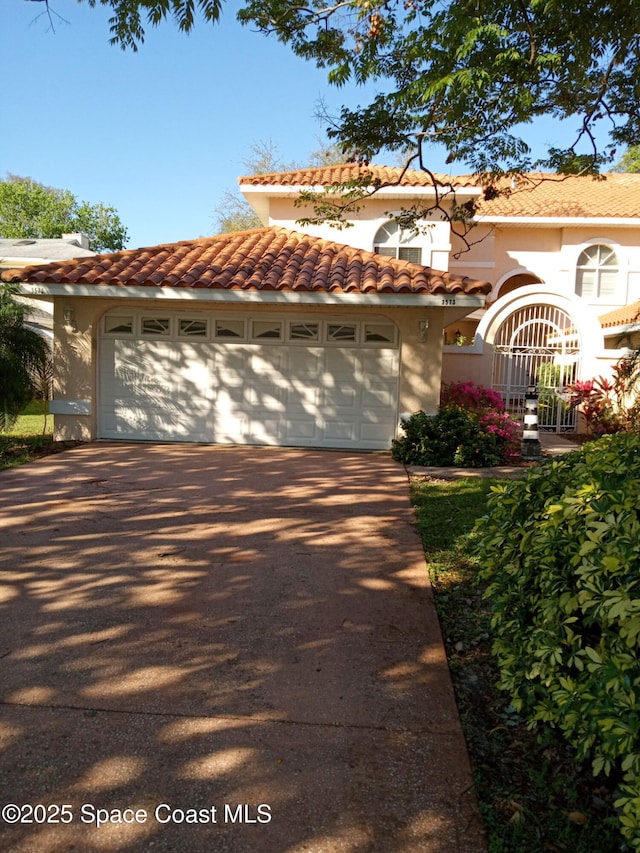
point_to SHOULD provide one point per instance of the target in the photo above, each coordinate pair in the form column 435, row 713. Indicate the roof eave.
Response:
column 238, row 297
column 621, row 329
column 390, row 191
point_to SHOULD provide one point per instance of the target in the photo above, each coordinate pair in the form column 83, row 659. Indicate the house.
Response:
column 23, row 252
column 562, row 253
column 302, row 334
column 267, row 336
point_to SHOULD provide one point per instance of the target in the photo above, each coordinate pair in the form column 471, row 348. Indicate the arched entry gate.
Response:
column 539, row 345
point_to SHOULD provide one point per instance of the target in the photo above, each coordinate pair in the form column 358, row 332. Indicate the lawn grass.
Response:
column 533, row 796
column 30, row 437
column 35, row 420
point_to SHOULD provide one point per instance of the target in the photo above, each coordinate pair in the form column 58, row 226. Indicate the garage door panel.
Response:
column 375, row 433
column 241, row 392
column 341, row 397
column 229, row 365
column 340, row 430
column 300, row 430
column 155, row 424
column 342, row 362
column 377, row 395
column 304, row 364
column 268, row 430
column 266, row 395
column 268, row 361
column 301, row 400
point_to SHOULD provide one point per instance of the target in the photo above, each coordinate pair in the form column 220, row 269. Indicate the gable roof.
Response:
column 536, row 195
column 263, row 259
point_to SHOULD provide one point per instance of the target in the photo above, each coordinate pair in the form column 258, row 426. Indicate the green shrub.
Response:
column 452, row 437
column 560, row 552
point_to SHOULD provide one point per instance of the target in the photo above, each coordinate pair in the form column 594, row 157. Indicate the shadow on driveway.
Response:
column 245, row 637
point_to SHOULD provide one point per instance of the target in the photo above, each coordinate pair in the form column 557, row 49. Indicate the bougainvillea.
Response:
column 472, row 397
column 471, row 430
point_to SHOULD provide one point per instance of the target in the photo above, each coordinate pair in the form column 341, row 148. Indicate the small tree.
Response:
column 630, row 160
column 233, row 212
column 24, row 355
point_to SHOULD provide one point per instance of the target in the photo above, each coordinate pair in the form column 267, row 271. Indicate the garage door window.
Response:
column 379, row 333
column 156, row 326
column 304, row 332
column 341, row 332
column 193, row 328
column 118, row 324
column 230, row 329
column 267, row 330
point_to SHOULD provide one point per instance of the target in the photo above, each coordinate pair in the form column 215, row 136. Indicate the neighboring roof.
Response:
column 260, row 260
column 13, row 250
column 536, row 195
column 628, row 315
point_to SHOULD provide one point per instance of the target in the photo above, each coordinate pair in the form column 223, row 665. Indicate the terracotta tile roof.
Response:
column 326, row 176
column 534, row 195
column 548, row 195
column 262, row 259
column 625, row 316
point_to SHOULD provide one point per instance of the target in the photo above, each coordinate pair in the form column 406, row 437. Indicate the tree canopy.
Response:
column 29, row 209
column 467, row 74
column 630, row 160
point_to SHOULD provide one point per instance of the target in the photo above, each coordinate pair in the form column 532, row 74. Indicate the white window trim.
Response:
column 422, row 241
column 620, row 297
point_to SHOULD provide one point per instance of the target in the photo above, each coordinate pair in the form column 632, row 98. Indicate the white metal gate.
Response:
column 538, row 345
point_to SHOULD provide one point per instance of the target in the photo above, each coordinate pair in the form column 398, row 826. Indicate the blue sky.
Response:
column 159, row 134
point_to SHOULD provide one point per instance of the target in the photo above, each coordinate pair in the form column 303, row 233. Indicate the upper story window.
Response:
column 396, row 242
column 597, row 273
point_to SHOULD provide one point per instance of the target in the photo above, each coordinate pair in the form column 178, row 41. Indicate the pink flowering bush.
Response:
column 508, row 433
column 489, row 406
column 471, row 430
column 472, row 397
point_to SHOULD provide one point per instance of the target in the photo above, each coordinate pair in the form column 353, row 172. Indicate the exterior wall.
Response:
column 364, row 225
column 549, row 253
column 552, row 255
column 77, row 354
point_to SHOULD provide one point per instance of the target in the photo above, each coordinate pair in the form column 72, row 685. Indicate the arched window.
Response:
column 396, row 242
column 597, row 273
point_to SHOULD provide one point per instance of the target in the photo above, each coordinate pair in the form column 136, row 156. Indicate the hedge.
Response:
column 560, row 554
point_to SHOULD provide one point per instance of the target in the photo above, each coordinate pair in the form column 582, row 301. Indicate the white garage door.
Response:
column 264, row 379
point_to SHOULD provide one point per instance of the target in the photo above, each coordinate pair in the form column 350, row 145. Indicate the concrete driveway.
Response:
column 222, row 649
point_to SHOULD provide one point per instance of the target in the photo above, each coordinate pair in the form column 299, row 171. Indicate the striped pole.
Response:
column 530, row 447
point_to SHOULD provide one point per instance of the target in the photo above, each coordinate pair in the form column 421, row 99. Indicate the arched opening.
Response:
column 516, row 281
column 538, row 344
column 462, row 332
